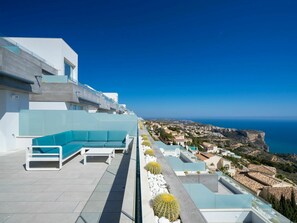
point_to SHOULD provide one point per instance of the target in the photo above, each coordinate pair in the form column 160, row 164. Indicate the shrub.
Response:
column 145, row 137
column 146, row 143
column 153, row 167
column 149, row 152
column 166, row 205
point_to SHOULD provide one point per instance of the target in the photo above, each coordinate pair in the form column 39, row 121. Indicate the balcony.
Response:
column 21, row 66
column 62, row 89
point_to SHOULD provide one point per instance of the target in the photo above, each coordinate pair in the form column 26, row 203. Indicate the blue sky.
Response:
column 176, row 58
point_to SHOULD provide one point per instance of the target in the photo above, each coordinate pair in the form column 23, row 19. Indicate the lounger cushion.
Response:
column 70, row 149
column 100, row 136
column 94, row 144
column 77, row 143
column 116, row 136
column 79, row 135
column 45, row 150
column 115, row 145
column 61, row 138
column 69, row 136
column 44, row 141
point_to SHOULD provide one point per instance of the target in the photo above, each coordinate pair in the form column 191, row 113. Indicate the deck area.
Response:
column 188, row 210
column 76, row 193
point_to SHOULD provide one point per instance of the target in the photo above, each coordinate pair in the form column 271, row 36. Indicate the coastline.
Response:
column 279, row 134
column 242, row 153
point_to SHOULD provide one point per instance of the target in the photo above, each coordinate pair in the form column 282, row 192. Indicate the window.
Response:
column 68, row 70
column 75, row 107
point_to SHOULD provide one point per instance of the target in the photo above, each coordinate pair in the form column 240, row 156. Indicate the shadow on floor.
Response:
column 105, row 203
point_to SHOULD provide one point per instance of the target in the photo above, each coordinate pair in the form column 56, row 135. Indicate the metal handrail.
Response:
column 256, row 199
column 14, row 43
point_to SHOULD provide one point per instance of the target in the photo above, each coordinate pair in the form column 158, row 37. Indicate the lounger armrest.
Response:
column 30, row 154
column 30, row 149
column 128, row 141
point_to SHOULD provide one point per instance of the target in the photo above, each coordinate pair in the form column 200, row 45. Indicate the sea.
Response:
column 280, row 135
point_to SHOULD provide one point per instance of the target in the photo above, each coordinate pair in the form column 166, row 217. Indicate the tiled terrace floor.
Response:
column 105, row 203
column 58, row 196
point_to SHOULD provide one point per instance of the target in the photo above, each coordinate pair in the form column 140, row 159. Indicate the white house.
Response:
column 42, row 74
column 54, row 51
column 211, row 148
column 218, row 162
column 113, row 96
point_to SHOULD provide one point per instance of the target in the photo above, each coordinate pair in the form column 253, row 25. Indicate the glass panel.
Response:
column 45, row 122
column 178, row 165
column 54, row 79
column 204, row 198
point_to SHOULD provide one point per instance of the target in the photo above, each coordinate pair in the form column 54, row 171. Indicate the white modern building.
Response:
column 113, row 96
column 42, row 74
column 55, row 51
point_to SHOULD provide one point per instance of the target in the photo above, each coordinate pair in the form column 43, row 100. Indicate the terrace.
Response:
column 95, row 192
column 77, row 193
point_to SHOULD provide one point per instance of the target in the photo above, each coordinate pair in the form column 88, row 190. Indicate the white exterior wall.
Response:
column 114, row 96
column 48, row 106
column 11, row 103
column 230, row 216
column 53, row 50
column 57, row 106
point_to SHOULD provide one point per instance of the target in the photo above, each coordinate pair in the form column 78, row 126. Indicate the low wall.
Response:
column 184, row 158
column 147, row 211
column 233, row 189
column 224, row 216
column 128, row 206
column 208, row 180
column 46, row 122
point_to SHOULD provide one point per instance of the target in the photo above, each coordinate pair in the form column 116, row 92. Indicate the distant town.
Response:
column 241, row 154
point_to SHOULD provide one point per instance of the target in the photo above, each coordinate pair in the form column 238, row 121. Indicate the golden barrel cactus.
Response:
column 145, row 137
column 166, row 205
column 149, row 152
column 153, row 167
column 146, row 143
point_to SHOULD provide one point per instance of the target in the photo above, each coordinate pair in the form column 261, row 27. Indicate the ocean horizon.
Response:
column 280, row 134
